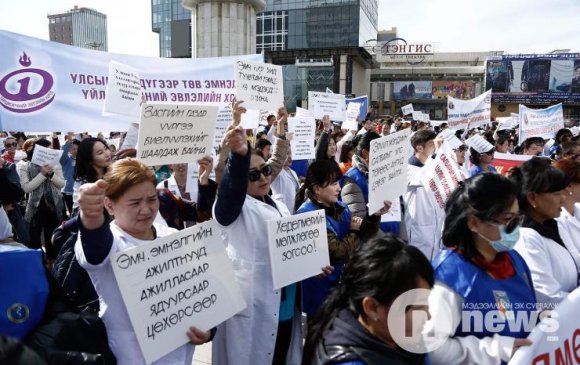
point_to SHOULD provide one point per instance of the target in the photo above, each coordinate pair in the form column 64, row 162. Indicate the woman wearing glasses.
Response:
column 479, row 275
column 553, row 265
column 268, row 331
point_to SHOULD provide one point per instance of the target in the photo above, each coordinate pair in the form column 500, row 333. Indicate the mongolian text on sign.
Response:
column 172, row 133
column 174, row 282
column 45, row 156
column 259, row 85
column 298, row 247
column 123, row 95
column 543, row 123
column 476, row 111
column 302, row 143
column 321, row 104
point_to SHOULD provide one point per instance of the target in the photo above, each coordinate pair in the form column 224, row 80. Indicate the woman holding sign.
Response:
column 128, row 192
column 45, row 208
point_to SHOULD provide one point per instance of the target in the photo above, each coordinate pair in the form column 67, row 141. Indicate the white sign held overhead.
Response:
column 259, row 85
column 475, row 111
column 298, row 247
column 172, row 133
column 321, row 104
column 417, row 115
column 543, row 123
column 132, row 136
column 250, row 119
column 302, row 143
column 123, row 95
column 352, row 113
column 45, row 156
column 302, row 113
column 388, row 169
column 174, row 282
column 407, row 109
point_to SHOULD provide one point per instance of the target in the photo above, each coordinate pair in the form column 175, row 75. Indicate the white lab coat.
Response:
column 569, row 228
column 554, row 269
column 174, row 189
column 423, row 220
column 284, row 187
column 249, row 338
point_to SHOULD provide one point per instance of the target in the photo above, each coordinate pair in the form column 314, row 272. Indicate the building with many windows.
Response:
column 81, row 27
column 173, row 24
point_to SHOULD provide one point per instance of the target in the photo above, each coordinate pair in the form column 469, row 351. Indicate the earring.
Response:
column 534, row 206
column 569, row 193
column 375, row 319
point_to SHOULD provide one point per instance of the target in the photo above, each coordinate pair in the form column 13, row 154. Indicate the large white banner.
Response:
column 321, row 104
column 540, row 122
column 181, row 280
column 477, row 111
column 55, row 87
column 556, row 339
column 388, row 168
column 298, row 247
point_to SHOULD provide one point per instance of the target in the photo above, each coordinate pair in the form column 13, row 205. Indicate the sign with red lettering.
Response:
column 474, row 112
column 543, row 123
column 504, row 162
column 398, row 49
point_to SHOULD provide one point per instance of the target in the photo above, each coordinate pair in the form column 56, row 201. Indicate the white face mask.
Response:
column 506, row 241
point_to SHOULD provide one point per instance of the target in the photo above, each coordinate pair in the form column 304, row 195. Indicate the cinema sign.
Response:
column 398, row 50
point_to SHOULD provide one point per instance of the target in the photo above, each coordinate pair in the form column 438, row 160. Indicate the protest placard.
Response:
column 298, row 247
column 250, row 119
column 123, row 95
column 191, row 184
column 132, row 136
column 321, row 104
column 504, row 162
column 407, row 109
column 302, row 143
column 543, row 123
column 417, row 115
column 475, row 111
column 181, row 280
column 45, row 156
column 364, row 105
column 394, row 213
column 302, row 113
column 556, row 339
column 173, row 133
column 352, row 112
column 388, row 168
column 259, row 85
column 224, row 118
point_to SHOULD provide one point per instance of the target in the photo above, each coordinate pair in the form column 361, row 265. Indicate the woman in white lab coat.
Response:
column 569, row 220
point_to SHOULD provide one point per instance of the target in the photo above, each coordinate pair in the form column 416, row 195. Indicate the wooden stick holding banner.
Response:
column 260, row 85
column 173, row 133
column 388, row 168
column 181, row 280
column 298, row 247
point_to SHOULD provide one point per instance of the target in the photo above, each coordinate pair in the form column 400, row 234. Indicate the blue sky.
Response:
column 514, row 26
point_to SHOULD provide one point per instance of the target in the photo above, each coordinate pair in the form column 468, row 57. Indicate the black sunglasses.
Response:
column 512, row 224
column 13, row 144
column 254, row 174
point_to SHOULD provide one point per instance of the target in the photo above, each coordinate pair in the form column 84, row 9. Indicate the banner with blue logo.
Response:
column 364, row 106
column 52, row 87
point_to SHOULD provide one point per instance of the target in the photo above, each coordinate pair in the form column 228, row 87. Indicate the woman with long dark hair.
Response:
column 353, row 324
column 93, row 158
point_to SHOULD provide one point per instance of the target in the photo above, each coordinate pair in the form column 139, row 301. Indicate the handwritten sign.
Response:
column 123, row 95
column 259, row 85
column 181, row 280
column 298, row 247
column 45, row 156
column 302, row 143
column 407, row 109
column 321, row 104
column 388, row 168
column 172, row 133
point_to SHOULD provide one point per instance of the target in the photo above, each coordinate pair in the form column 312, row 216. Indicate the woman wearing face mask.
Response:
column 93, row 158
column 478, row 271
column 553, row 265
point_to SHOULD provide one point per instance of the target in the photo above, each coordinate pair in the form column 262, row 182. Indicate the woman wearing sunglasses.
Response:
column 552, row 263
column 479, row 275
column 268, row 331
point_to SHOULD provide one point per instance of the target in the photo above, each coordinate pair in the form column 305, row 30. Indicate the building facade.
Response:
column 80, row 27
column 172, row 22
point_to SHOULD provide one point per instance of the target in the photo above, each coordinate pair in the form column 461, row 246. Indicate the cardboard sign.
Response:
column 181, row 280
column 45, row 156
column 302, row 143
column 321, row 104
column 173, row 133
column 298, row 247
column 476, row 111
column 259, row 85
column 407, row 109
column 388, row 168
column 543, row 123
column 123, row 95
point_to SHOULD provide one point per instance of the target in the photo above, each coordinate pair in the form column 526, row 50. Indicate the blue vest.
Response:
column 24, row 289
column 482, row 293
column 316, row 290
column 362, row 181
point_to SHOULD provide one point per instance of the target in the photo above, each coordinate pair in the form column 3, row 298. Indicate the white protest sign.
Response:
column 417, row 115
column 132, row 136
column 302, row 143
column 264, row 114
column 556, row 339
column 173, row 133
column 45, row 156
column 259, row 85
column 250, row 119
column 224, row 118
column 388, row 168
column 298, row 247
column 302, row 113
column 475, row 111
column 191, row 184
column 123, row 95
column 407, row 109
column 504, row 123
column 394, row 213
column 543, row 123
column 352, row 113
column 181, row 280
column 441, row 175
column 321, row 104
